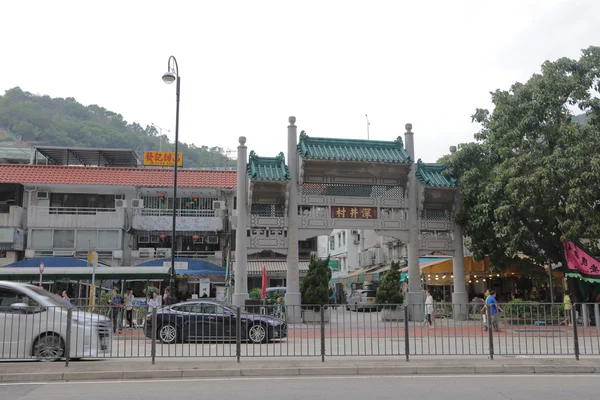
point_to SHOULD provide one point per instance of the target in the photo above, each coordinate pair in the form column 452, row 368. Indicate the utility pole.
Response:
column 368, row 124
column 160, row 134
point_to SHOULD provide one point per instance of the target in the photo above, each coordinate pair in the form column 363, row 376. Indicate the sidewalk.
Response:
column 172, row 368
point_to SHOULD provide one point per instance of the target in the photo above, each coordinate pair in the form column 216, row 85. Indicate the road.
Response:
column 573, row 387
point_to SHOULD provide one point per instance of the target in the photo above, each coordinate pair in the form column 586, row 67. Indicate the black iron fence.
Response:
column 211, row 329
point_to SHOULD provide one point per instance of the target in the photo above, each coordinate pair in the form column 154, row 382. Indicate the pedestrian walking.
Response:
column 129, row 299
column 484, row 310
column 568, row 305
column 429, row 309
column 115, row 310
column 494, row 310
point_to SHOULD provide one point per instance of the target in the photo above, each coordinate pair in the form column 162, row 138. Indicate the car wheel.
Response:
column 49, row 347
column 168, row 334
column 257, row 334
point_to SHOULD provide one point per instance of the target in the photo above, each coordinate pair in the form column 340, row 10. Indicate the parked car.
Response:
column 205, row 320
column 34, row 324
column 361, row 300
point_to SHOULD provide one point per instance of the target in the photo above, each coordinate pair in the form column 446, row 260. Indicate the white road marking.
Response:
column 284, row 378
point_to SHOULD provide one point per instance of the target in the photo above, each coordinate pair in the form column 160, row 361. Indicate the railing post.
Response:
column 406, row 334
column 153, row 346
column 575, row 333
column 323, row 333
column 238, row 336
column 68, row 340
column 490, row 331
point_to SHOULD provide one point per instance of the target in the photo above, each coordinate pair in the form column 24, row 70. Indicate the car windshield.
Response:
column 50, row 299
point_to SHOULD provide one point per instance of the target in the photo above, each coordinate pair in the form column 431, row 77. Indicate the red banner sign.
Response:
column 162, row 158
column 578, row 260
column 354, row 212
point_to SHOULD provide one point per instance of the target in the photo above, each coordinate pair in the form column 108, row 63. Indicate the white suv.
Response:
column 33, row 323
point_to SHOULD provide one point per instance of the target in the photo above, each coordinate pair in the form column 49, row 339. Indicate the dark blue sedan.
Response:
column 207, row 320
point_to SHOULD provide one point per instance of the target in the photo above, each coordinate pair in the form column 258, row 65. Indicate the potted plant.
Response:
column 390, row 296
column 315, row 290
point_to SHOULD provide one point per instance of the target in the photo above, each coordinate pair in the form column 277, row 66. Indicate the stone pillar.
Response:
column 415, row 295
column 292, row 296
column 240, row 294
column 460, row 298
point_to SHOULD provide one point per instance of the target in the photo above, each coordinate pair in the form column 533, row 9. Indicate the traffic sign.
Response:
column 41, row 268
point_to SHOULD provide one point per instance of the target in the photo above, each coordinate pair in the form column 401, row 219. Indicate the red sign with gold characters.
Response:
column 354, row 212
column 165, row 158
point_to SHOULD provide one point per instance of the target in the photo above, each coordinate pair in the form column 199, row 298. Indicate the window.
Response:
column 339, row 239
column 212, row 309
column 80, row 200
column 108, row 240
column 87, row 239
column 64, row 239
column 331, row 243
column 9, row 297
column 343, row 238
column 41, row 239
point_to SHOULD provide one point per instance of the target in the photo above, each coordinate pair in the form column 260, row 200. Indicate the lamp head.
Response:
column 169, row 77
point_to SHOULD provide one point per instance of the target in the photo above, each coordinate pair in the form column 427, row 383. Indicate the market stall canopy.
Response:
column 85, row 273
column 186, row 266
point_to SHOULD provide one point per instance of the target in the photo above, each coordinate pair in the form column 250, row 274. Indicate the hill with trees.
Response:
column 25, row 117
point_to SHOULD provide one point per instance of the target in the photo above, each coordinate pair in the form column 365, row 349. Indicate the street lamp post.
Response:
column 169, row 77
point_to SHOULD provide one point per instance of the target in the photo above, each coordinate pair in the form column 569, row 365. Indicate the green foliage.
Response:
column 315, row 286
column 65, row 122
column 388, row 291
column 534, row 170
column 255, row 294
column 150, row 290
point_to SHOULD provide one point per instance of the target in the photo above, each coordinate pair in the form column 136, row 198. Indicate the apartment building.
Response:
column 110, row 204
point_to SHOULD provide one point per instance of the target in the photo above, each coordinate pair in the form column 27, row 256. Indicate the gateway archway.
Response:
column 331, row 184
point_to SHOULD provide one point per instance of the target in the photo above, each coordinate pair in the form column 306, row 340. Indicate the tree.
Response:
column 534, row 171
column 388, row 292
column 315, row 286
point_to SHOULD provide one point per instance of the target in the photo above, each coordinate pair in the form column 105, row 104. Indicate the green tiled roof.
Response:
column 352, row 150
column 268, row 168
column 432, row 175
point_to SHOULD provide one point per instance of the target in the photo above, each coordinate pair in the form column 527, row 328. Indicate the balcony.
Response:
column 187, row 220
column 11, row 216
column 75, row 217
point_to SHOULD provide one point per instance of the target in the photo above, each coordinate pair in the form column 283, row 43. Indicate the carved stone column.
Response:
column 240, row 294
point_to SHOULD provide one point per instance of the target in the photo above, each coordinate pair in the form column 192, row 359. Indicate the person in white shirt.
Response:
column 152, row 303
column 429, row 308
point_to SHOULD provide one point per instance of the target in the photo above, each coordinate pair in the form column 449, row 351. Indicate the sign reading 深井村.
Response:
column 165, row 158
column 354, row 212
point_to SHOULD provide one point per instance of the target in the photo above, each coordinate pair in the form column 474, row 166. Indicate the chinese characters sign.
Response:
column 354, row 212
column 578, row 260
column 162, row 158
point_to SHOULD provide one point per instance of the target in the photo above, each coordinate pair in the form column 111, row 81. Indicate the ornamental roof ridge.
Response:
column 267, row 168
column 434, row 175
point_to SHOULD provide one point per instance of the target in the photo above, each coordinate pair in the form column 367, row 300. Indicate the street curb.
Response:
column 300, row 371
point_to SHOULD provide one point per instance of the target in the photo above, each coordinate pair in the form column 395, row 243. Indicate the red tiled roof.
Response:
column 143, row 177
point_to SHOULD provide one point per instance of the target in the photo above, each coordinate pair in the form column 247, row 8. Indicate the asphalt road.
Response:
column 572, row 387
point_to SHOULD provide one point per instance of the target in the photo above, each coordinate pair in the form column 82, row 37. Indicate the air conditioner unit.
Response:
column 212, row 239
column 218, row 205
column 117, row 254
column 354, row 232
column 120, row 203
column 63, row 253
column 119, row 197
column 163, row 252
column 199, row 241
column 42, row 195
column 146, row 253
column 137, row 203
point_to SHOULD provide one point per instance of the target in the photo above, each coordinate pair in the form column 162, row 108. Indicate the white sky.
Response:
column 248, row 65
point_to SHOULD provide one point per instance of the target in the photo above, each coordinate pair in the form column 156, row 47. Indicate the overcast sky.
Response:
column 248, row 65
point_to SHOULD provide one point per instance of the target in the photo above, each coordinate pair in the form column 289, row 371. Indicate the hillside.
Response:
column 65, row 122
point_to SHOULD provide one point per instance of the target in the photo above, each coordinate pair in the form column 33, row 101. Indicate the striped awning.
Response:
column 255, row 267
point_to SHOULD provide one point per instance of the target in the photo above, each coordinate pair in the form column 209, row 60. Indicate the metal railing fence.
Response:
column 211, row 329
